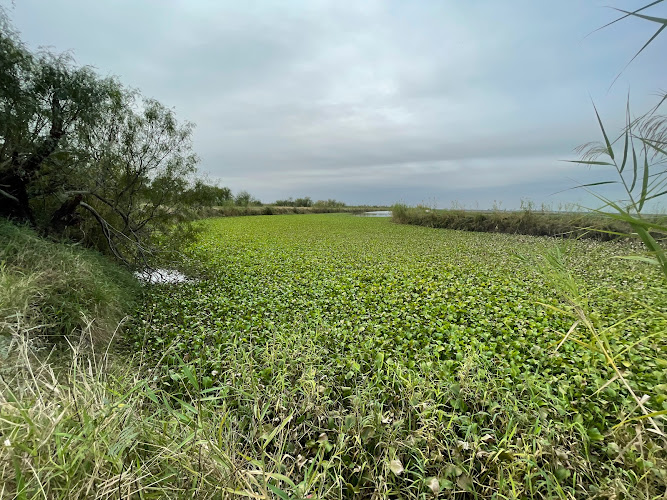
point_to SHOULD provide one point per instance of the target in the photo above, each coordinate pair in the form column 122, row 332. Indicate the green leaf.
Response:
column 661, row 193
column 644, row 193
column 610, row 150
column 594, row 434
column 279, row 492
column 627, row 136
column 602, row 183
column 658, row 20
column 277, row 430
column 280, row 477
column 635, row 169
column 652, row 144
column 652, row 245
column 590, row 162
column 187, row 370
column 639, row 258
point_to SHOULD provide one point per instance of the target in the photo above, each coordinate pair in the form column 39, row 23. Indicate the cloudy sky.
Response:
column 373, row 101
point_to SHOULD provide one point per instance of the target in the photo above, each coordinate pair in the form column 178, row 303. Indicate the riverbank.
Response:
column 532, row 223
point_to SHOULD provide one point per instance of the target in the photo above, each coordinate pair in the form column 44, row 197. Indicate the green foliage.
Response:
column 201, row 194
column 245, row 199
column 83, row 156
column 330, row 203
column 230, row 210
column 399, row 213
column 640, row 172
column 299, row 202
column 354, row 356
column 526, row 221
column 56, row 289
column 97, row 429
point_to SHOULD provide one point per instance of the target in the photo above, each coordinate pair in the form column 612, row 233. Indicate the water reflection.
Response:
column 377, row 213
column 160, row 276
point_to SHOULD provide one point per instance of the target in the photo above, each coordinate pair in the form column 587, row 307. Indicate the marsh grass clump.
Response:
column 80, row 425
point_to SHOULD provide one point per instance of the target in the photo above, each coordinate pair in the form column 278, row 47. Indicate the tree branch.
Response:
column 33, row 163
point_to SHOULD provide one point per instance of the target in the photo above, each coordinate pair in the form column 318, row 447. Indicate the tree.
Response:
column 83, row 156
column 303, row 202
column 244, row 199
column 330, row 203
column 201, row 194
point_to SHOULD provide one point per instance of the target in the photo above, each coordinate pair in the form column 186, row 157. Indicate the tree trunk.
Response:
column 14, row 199
column 17, row 205
column 65, row 215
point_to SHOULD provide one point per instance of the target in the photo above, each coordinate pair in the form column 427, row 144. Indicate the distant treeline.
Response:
column 202, row 194
column 308, row 202
column 212, row 200
column 231, row 210
column 529, row 222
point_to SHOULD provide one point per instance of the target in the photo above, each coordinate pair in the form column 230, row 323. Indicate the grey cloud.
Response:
column 368, row 101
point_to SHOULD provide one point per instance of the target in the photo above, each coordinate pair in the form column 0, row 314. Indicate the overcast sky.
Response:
column 373, row 101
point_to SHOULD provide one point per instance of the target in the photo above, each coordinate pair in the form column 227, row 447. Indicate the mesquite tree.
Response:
column 83, row 156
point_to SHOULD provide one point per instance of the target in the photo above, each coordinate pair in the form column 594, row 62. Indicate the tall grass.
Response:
column 99, row 430
column 636, row 158
column 527, row 221
column 50, row 289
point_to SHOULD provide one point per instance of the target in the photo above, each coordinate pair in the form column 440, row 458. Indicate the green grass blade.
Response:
column 190, row 376
column 661, row 193
column 627, row 137
column 642, row 198
column 649, row 42
column 280, row 477
column 658, row 20
column 639, row 258
column 590, row 162
column 641, row 417
column 277, row 430
column 653, row 246
column 635, row 168
column 629, row 14
column 601, row 183
column 610, row 150
column 652, row 144
column 280, row 493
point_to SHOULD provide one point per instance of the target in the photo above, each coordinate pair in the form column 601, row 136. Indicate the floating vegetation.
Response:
column 355, row 355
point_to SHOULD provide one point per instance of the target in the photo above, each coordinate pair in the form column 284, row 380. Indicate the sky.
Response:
column 440, row 102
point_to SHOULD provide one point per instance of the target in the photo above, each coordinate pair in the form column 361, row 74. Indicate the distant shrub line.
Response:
column 236, row 211
column 564, row 225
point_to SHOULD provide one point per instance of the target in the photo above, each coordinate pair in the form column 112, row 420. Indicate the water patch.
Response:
column 161, row 276
column 376, row 213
